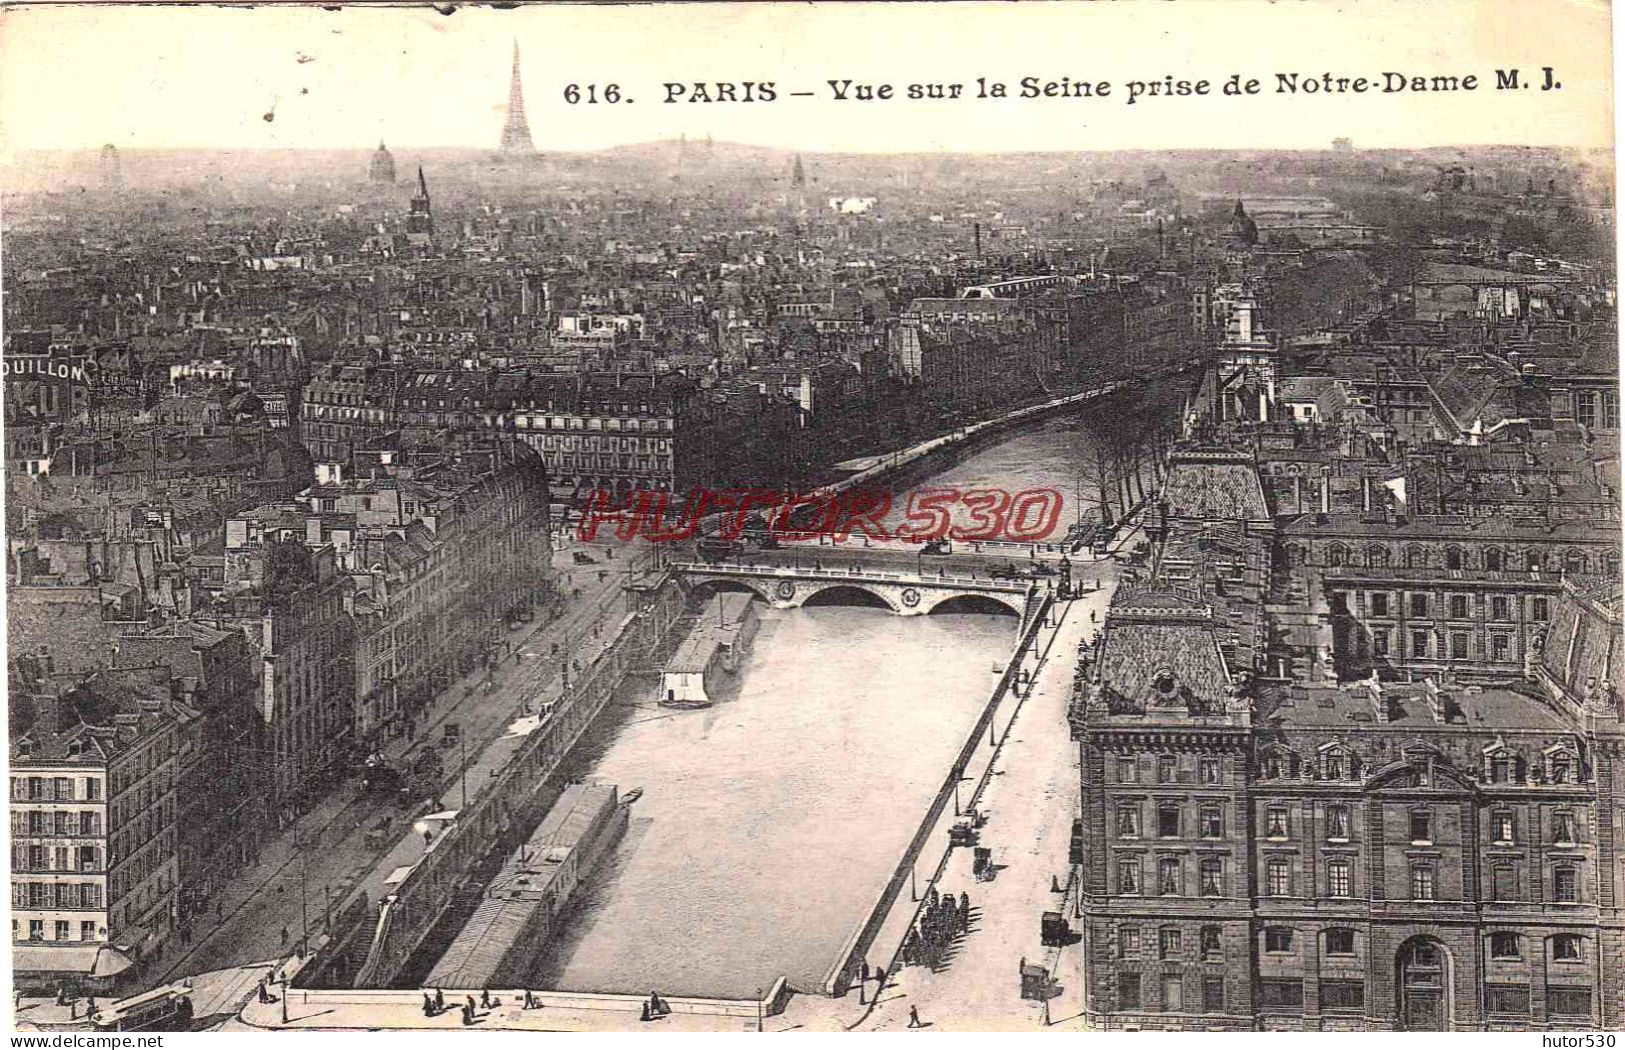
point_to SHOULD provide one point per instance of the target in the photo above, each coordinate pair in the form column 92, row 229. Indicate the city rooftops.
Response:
column 1410, row 707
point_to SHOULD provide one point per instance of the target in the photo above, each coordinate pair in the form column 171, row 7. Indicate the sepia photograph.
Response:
column 947, row 517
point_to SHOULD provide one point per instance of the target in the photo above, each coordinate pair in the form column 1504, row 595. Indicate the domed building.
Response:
column 382, row 168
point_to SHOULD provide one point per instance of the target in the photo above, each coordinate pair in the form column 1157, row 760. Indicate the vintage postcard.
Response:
column 938, row 517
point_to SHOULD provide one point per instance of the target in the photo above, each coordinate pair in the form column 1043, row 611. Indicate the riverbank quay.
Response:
column 328, row 851
column 498, row 795
column 505, row 1010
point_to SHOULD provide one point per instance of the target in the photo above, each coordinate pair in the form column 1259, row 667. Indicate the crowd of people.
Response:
column 941, row 921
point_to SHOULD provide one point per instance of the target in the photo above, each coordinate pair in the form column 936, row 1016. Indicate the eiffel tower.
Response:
column 516, row 131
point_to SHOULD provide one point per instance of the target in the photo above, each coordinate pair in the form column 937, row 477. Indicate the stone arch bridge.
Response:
column 905, row 593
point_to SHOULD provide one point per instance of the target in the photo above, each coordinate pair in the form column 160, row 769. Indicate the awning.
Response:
column 131, row 939
column 85, row 960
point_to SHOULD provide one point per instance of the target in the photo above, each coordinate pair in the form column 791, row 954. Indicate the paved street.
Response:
column 291, row 887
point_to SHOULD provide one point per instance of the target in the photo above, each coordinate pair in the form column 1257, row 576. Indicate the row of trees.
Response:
column 1123, row 445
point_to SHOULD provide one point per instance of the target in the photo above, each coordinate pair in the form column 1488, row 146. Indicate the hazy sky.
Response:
column 205, row 76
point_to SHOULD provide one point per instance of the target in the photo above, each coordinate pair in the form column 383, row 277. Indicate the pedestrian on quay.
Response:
column 439, row 1001
column 468, row 1013
column 914, row 1017
column 964, row 910
column 880, row 981
column 428, row 1003
column 485, row 998
column 284, row 929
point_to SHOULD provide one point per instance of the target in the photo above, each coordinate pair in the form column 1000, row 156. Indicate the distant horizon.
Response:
column 542, row 153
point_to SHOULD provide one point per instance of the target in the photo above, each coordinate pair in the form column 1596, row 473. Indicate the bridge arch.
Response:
column 995, row 604
column 841, row 592
column 705, row 588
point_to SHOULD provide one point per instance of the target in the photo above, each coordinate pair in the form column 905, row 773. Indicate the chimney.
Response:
column 1379, row 701
column 1435, row 700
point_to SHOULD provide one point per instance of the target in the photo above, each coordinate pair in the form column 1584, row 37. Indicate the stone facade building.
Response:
column 1344, row 852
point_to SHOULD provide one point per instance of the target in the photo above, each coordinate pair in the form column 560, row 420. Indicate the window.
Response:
column 1127, row 771
column 1421, row 882
column 1128, row 941
column 61, row 930
column 1565, row 886
column 1128, row 991
column 1342, row 995
column 1173, row 992
column 1452, row 558
column 1568, row 1002
column 1275, row 822
column 1379, row 604
column 1504, row 883
column 1337, row 823
column 1379, row 642
column 1501, row 827
column 1419, row 644
column 87, row 931
column 1281, row 993
column 1128, row 822
column 1419, row 605
column 1563, row 829
column 1532, row 560
column 1458, row 607
column 1168, row 876
column 1336, row 556
column 1506, row 998
column 1208, row 770
column 1458, row 645
column 1211, row 876
column 1492, row 559
column 1277, row 939
column 1339, row 941
column 1499, row 608
column 1499, row 646
column 1538, row 610
column 1566, row 947
column 1504, row 946
column 1421, row 826
column 1339, row 877
column 1165, row 769
column 1168, row 821
column 1168, row 944
column 1128, row 875
column 1272, row 765
column 1212, row 821
column 1560, row 771
column 1212, row 995
column 1278, row 877
column 1211, row 945
column 1585, row 408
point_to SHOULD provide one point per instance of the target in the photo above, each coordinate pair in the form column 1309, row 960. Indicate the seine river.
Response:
column 770, row 822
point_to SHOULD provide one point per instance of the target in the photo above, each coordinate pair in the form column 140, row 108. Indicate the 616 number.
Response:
column 574, row 93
